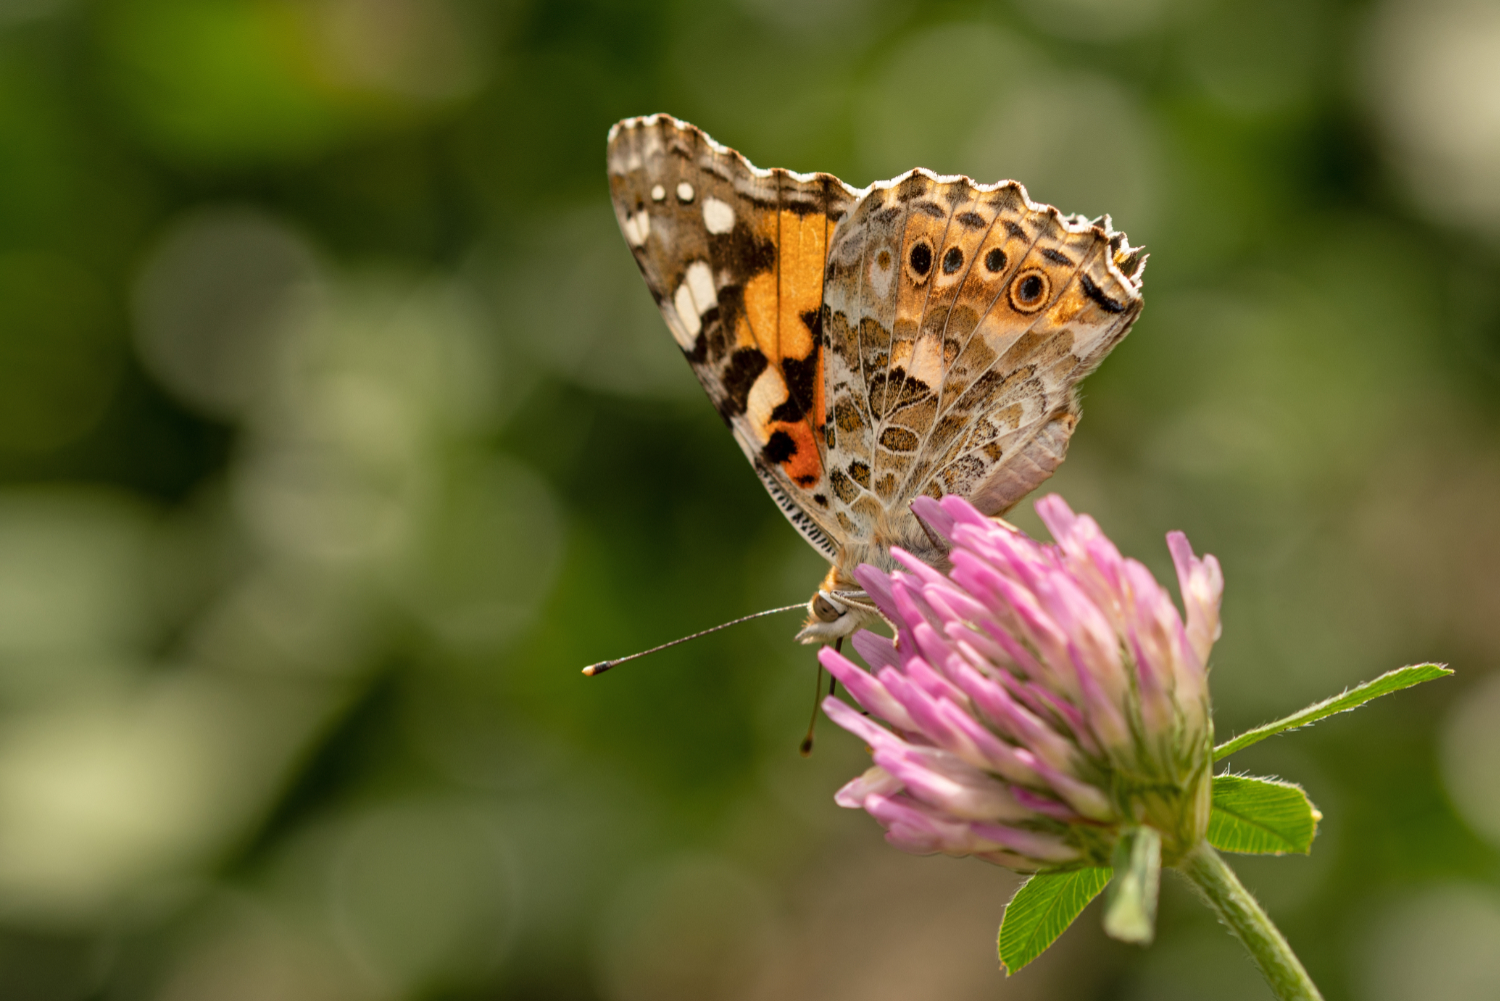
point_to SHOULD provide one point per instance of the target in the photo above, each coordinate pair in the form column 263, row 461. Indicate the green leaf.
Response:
column 1261, row 816
column 1130, row 905
column 1390, row 681
column 1042, row 909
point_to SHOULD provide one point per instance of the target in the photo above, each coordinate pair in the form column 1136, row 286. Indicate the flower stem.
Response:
column 1218, row 884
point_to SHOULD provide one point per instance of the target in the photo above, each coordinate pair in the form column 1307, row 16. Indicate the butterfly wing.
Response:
column 923, row 336
column 734, row 256
column 959, row 319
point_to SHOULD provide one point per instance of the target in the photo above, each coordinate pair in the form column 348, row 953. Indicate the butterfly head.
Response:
column 832, row 615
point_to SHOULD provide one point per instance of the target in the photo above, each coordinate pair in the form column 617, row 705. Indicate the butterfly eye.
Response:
column 994, row 261
column 952, row 260
column 1029, row 290
column 825, row 610
column 920, row 258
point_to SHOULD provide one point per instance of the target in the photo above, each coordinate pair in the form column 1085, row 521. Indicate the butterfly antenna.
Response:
column 833, row 684
column 605, row 665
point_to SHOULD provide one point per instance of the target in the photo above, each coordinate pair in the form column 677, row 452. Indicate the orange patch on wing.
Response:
column 802, row 253
column 744, row 337
column 760, row 307
column 803, row 466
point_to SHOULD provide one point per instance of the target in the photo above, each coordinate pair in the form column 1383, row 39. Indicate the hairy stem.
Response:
column 1218, row 884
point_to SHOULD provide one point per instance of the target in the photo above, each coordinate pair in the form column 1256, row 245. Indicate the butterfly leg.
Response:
column 833, row 686
column 833, row 683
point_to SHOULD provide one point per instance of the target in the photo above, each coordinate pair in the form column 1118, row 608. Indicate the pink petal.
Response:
column 866, row 689
column 933, row 724
column 1015, row 720
column 919, row 830
column 873, row 781
column 994, row 754
column 911, row 607
column 1037, row 803
column 962, row 512
column 945, row 783
column 878, row 651
column 877, row 584
column 917, row 567
column 1202, row 586
column 922, row 674
column 1042, row 847
column 932, row 645
column 953, row 604
column 868, row 730
column 933, row 514
column 1056, row 515
column 1081, row 796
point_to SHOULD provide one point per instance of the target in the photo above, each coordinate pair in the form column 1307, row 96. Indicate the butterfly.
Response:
column 922, row 336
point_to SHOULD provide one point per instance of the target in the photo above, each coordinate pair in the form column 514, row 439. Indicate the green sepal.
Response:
column 1130, row 903
column 1041, row 910
column 1256, row 816
column 1390, row 681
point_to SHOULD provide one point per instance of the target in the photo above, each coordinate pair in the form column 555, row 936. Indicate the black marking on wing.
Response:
column 1096, row 293
column 843, row 489
column 898, row 439
column 741, row 251
column 1057, row 258
column 799, row 374
column 913, row 185
column 813, row 318
column 800, row 207
column 744, row 367
column 779, row 448
column 794, row 513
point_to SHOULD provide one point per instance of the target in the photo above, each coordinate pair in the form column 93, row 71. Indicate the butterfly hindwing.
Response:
column 1006, row 423
column 734, row 257
column 964, row 315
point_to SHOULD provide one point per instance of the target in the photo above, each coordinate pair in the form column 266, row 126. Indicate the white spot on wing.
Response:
column 766, row 394
column 717, row 216
column 685, row 330
column 700, row 280
column 685, row 191
column 927, row 361
column 658, row 193
column 637, row 228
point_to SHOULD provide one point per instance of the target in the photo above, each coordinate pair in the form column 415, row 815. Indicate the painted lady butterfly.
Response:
column 923, row 335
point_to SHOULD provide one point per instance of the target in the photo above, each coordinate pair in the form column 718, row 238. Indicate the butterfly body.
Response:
column 922, row 336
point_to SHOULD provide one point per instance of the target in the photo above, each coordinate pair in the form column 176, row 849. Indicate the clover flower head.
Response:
column 1038, row 698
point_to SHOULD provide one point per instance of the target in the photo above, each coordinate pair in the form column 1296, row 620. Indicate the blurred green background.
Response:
column 337, row 432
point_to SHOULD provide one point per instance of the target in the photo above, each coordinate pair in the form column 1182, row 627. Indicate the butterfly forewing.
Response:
column 925, row 335
column 734, row 258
